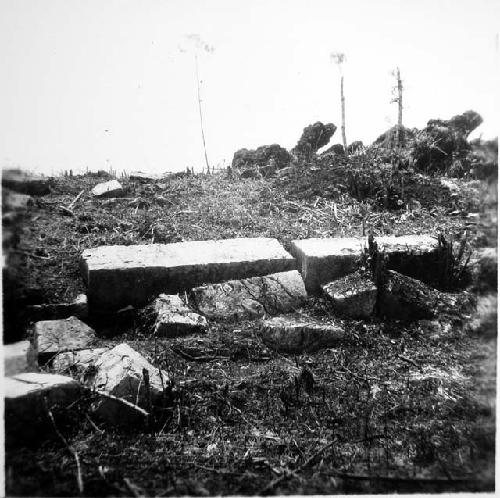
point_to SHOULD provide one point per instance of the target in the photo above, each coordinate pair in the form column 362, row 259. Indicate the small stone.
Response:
column 18, row 358
column 57, row 336
column 120, row 373
column 353, row 296
column 113, row 188
column 252, row 297
column 289, row 334
column 174, row 318
column 27, row 398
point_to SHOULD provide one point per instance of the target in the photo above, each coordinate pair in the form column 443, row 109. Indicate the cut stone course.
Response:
column 118, row 276
column 173, row 318
column 57, row 336
column 18, row 358
column 252, row 297
column 113, row 188
column 352, row 296
column 119, row 372
column 78, row 308
column 323, row 260
column 288, row 334
column 27, row 397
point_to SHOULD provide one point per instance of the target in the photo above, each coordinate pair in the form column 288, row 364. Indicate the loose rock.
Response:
column 28, row 397
column 112, row 188
column 267, row 159
column 252, row 297
column 313, row 138
column 57, row 336
column 77, row 364
column 18, row 358
column 353, row 296
column 289, row 334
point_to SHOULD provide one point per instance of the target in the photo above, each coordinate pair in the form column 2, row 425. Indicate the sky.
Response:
column 111, row 84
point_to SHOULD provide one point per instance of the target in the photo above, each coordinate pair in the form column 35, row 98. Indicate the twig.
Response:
column 409, row 360
column 133, row 488
column 79, row 478
column 66, row 210
column 93, row 424
column 26, row 253
column 124, row 401
column 75, row 200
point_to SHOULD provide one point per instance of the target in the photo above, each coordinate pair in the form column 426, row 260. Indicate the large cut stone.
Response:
column 118, row 276
column 25, row 183
column 323, row 260
column 113, row 188
column 18, row 358
column 172, row 318
column 78, row 364
column 123, row 373
column 289, row 334
column 28, row 397
column 78, row 308
column 57, row 336
column 352, row 296
column 252, row 297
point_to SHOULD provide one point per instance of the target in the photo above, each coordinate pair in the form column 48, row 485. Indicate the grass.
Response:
column 398, row 407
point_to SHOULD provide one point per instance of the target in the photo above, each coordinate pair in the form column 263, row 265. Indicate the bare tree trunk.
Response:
column 400, row 106
column 342, row 100
column 201, row 114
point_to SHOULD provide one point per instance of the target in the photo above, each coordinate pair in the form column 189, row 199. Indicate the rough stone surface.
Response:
column 266, row 159
column 252, row 297
column 120, row 373
column 18, row 358
column 173, row 318
column 323, row 260
column 27, row 396
column 113, row 188
column 289, row 334
column 78, row 308
column 24, row 183
column 118, row 276
column 352, row 296
column 313, row 138
column 13, row 201
column 57, row 336
column 77, row 363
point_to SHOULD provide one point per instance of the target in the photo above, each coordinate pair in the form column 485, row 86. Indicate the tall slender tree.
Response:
column 398, row 98
column 339, row 59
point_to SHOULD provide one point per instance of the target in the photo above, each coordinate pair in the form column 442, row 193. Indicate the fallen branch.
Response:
column 26, row 253
column 79, row 478
column 66, row 210
column 75, row 200
column 409, row 360
column 123, row 401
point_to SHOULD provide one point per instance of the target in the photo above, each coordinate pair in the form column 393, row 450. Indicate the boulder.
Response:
column 252, row 297
column 124, row 374
column 113, row 188
column 313, row 138
column 18, row 358
column 118, row 276
column 57, row 336
column 78, row 308
column 324, row 260
column 289, row 334
column 172, row 318
column 353, row 296
column 27, row 398
column 25, row 183
column 267, row 158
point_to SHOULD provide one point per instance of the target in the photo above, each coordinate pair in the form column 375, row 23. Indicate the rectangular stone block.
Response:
column 27, row 397
column 323, row 260
column 18, row 358
column 118, row 276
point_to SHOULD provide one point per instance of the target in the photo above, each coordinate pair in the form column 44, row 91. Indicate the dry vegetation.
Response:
column 399, row 407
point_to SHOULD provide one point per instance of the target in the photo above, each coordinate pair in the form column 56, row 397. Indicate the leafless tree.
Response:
column 339, row 59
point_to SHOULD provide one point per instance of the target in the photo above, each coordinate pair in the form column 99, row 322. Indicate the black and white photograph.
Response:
column 249, row 247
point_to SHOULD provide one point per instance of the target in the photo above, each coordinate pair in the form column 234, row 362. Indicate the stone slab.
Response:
column 27, row 397
column 173, row 318
column 120, row 373
column 18, row 358
column 113, row 188
column 57, row 336
column 289, row 334
column 323, row 260
column 252, row 297
column 352, row 296
column 118, row 276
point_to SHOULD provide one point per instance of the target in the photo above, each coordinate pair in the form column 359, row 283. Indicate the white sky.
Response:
column 72, row 69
